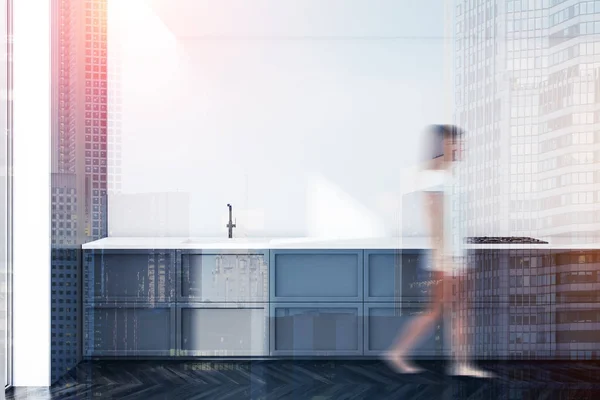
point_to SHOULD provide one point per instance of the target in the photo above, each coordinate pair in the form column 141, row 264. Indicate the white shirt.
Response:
column 445, row 182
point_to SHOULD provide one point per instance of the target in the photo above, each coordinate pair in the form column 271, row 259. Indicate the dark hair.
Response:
column 437, row 134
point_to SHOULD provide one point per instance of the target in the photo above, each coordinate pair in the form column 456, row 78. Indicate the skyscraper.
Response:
column 569, row 135
column 79, row 160
column 526, row 88
column 486, row 98
column 527, row 93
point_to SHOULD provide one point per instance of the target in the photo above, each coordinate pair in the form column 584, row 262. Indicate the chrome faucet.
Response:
column 231, row 224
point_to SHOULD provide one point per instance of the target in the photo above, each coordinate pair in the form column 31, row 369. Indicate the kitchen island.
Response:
column 305, row 297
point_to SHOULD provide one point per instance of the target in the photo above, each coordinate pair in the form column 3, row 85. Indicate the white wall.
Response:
column 31, row 231
column 305, row 137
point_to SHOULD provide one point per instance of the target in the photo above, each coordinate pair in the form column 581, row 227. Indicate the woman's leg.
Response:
column 458, row 323
column 416, row 328
column 462, row 362
column 418, row 325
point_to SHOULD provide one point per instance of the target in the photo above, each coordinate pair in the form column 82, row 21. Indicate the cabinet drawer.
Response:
column 223, row 329
column 129, row 276
column 385, row 321
column 316, row 329
column 236, row 278
column 129, row 330
column 392, row 275
column 316, row 275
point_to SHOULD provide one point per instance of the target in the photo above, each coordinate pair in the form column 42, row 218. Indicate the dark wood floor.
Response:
column 315, row 380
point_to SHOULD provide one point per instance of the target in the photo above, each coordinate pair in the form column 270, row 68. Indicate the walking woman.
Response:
column 443, row 151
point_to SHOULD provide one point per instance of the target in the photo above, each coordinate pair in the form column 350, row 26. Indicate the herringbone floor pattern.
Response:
column 322, row 380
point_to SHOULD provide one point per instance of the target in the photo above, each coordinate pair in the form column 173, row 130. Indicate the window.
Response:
column 6, row 191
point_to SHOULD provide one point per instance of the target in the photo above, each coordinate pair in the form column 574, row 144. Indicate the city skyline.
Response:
column 525, row 92
column 526, row 79
column 530, row 170
column 80, row 125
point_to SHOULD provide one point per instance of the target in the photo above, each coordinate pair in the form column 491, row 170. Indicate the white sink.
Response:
column 225, row 241
column 297, row 240
column 252, row 242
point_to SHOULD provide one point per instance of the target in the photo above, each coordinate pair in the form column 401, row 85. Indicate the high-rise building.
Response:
column 526, row 92
column 115, row 116
column 527, row 87
column 569, row 130
column 496, row 71
column 532, row 303
column 79, row 160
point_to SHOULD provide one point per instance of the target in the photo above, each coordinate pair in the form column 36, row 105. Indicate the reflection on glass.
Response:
column 79, row 161
column 526, row 89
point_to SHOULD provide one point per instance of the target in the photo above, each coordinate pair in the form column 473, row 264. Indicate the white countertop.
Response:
column 302, row 243
column 255, row 243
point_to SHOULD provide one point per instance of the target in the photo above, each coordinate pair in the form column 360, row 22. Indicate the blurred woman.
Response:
column 443, row 151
